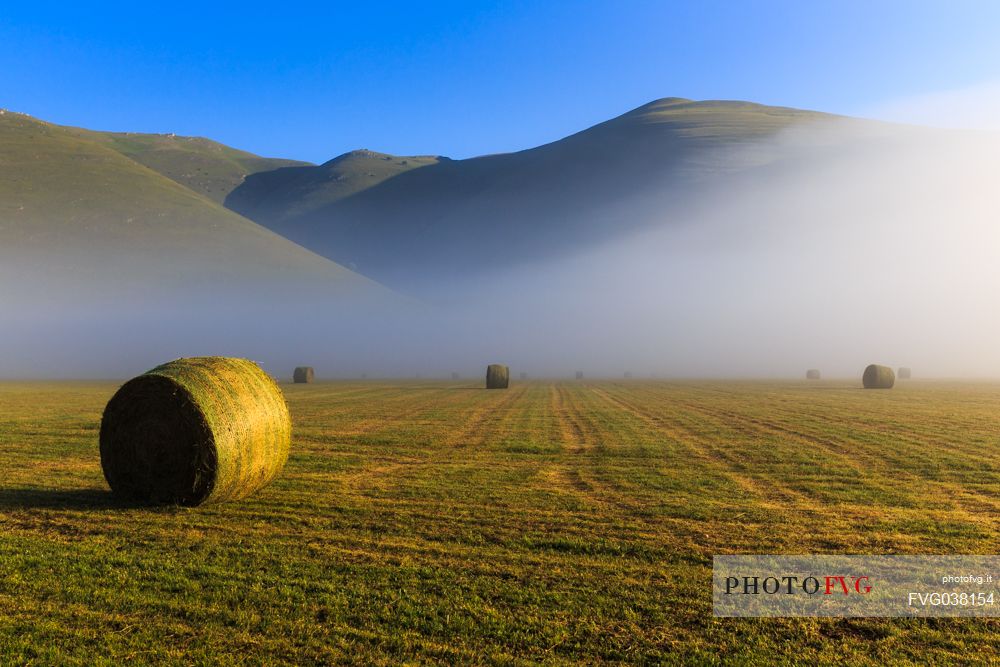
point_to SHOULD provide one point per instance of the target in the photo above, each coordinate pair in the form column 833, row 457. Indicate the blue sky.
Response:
column 312, row 80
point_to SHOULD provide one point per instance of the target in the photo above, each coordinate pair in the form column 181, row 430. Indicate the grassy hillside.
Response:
column 404, row 221
column 79, row 215
column 444, row 218
column 205, row 166
column 292, row 192
column 558, row 523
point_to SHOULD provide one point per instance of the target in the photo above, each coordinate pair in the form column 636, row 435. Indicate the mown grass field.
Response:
column 558, row 522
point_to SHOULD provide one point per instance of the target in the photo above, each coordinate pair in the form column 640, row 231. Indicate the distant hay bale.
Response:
column 878, row 377
column 579, row 375
column 193, row 431
column 523, row 376
column 303, row 375
column 904, row 373
column 497, row 376
column 628, row 375
column 812, row 374
column 454, row 376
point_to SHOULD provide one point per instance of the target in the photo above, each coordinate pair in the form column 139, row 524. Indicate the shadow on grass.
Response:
column 77, row 499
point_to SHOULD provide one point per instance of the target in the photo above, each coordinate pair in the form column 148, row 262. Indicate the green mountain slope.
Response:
column 205, row 166
column 452, row 217
column 79, row 216
column 291, row 192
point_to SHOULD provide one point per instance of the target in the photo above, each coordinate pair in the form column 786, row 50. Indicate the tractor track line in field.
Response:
column 708, row 453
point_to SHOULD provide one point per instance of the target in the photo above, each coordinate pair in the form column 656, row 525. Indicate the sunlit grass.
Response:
column 552, row 522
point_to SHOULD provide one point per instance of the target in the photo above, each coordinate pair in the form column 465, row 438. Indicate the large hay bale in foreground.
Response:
column 878, row 377
column 812, row 374
column 497, row 376
column 303, row 375
column 904, row 373
column 192, row 431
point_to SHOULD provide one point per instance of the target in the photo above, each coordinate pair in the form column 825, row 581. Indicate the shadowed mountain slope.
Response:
column 448, row 218
column 295, row 191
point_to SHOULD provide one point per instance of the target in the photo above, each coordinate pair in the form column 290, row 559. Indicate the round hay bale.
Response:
column 497, row 376
column 878, row 377
column 904, row 373
column 579, row 375
column 628, row 375
column 455, row 376
column 812, row 374
column 524, row 376
column 303, row 375
column 193, row 431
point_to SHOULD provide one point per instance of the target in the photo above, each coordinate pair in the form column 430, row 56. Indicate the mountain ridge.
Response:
column 403, row 220
column 442, row 218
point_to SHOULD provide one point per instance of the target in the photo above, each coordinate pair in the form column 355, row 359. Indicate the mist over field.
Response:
column 883, row 251
column 830, row 245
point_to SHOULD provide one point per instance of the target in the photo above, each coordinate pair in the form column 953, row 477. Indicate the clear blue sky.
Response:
column 312, row 80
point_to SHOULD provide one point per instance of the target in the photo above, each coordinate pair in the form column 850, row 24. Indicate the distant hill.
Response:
column 401, row 219
column 118, row 204
column 203, row 165
column 78, row 217
column 295, row 191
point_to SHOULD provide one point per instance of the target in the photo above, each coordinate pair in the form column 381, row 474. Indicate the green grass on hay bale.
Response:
column 303, row 374
column 878, row 377
column 193, row 431
column 497, row 376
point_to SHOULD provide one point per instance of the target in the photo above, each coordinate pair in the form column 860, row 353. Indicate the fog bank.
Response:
column 833, row 247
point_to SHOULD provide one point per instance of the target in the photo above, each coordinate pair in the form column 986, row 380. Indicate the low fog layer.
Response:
column 840, row 245
column 847, row 249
